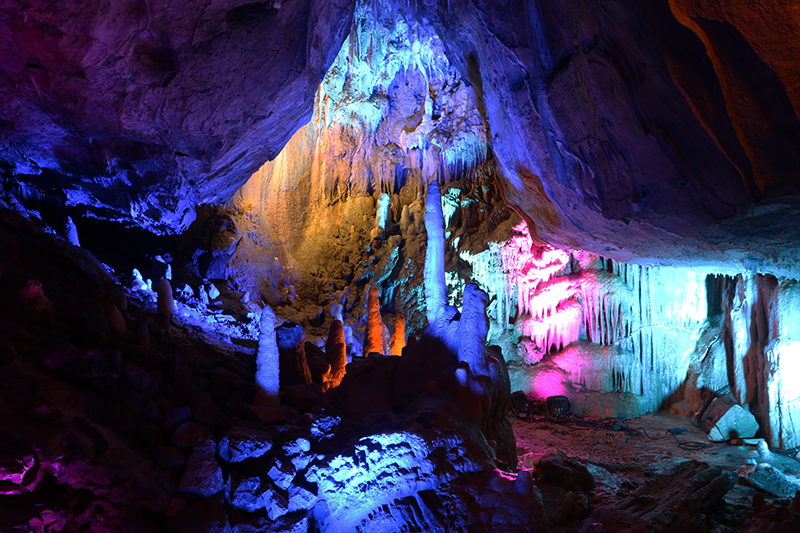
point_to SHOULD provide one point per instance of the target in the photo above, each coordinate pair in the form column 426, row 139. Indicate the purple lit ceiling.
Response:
column 654, row 130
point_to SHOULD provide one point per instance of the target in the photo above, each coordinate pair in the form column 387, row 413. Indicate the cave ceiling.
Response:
column 664, row 130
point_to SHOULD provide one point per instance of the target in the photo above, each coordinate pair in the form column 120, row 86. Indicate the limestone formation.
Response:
column 435, row 285
column 166, row 304
column 336, row 353
column 398, row 339
column 116, row 319
column 267, row 362
column 374, row 331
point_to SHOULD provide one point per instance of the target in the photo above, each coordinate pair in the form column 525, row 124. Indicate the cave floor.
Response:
column 621, row 460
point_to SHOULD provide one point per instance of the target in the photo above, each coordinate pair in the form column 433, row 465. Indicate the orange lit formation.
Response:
column 336, row 353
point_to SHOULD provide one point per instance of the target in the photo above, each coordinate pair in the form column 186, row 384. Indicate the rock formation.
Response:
column 398, row 341
column 126, row 113
column 374, row 329
column 435, row 285
column 267, row 361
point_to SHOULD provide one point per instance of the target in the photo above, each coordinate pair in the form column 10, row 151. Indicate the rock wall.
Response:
column 138, row 111
column 663, row 129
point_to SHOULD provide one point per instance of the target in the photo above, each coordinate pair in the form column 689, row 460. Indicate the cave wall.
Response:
column 390, row 116
column 662, row 129
column 138, row 111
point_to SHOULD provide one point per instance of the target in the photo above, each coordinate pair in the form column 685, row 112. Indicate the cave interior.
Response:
column 431, row 265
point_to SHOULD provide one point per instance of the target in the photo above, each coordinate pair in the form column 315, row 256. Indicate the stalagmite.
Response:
column 166, row 305
column 398, row 335
column 116, row 320
column 72, row 232
column 374, row 333
column 472, row 329
column 435, row 283
column 336, row 353
column 382, row 215
column 267, row 362
column 405, row 220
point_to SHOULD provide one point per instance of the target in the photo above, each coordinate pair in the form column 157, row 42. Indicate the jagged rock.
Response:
column 98, row 440
column 276, row 503
column 167, row 457
column 301, row 498
column 137, row 377
column 298, row 452
column 240, row 444
column 773, row 518
column 143, row 406
column 769, row 479
column 174, row 417
column 202, row 474
column 304, row 398
column 320, row 370
column 204, row 410
column 146, row 155
column 290, row 523
column 95, row 369
column 248, row 495
column 727, row 420
column 281, row 472
column 367, row 386
column 701, row 61
column 19, row 474
column 33, row 518
column 674, row 501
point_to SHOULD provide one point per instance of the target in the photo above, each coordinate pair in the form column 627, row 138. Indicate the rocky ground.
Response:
column 118, row 418
column 625, row 457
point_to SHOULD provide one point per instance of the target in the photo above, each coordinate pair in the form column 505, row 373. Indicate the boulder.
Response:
column 727, row 420
column 202, row 474
column 248, row 495
column 240, row 444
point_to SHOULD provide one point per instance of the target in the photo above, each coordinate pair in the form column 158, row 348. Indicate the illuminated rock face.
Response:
column 142, row 110
column 663, row 130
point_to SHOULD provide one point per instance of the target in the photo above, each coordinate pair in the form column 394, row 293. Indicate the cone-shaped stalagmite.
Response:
column 336, row 353
column 374, row 337
column 267, row 362
column 399, row 334
column 166, row 305
column 435, row 284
